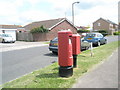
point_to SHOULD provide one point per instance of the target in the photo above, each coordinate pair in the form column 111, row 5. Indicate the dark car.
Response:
column 95, row 38
column 53, row 46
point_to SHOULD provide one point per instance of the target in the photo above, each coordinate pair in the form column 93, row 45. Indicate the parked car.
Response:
column 6, row 38
column 53, row 46
column 95, row 38
column 83, row 34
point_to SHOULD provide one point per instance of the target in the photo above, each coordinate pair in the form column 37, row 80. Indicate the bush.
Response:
column 39, row 30
column 117, row 33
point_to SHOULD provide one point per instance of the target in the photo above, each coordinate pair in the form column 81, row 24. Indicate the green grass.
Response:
column 48, row 77
column 46, row 42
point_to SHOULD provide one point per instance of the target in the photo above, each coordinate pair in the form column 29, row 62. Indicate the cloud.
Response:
column 86, row 12
column 107, row 10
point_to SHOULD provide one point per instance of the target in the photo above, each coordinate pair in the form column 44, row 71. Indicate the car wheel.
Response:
column 3, row 41
column 105, row 42
column 54, row 52
column 86, row 48
column 98, row 44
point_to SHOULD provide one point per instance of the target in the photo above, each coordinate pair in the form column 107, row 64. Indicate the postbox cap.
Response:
column 74, row 35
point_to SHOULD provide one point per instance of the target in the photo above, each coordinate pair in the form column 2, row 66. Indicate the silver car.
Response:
column 53, row 46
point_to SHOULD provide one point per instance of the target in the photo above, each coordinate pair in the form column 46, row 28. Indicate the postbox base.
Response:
column 74, row 61
column 65, row 71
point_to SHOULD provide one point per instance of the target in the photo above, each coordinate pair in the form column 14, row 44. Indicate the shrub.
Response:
column 39, row 30
column 117, row 33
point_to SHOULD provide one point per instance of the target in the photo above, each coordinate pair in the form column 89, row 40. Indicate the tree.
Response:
column 40, row 29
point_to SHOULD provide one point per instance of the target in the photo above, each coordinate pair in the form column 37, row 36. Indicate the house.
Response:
column 9, row 29
column 103, row 24
column 20, row 29
column 53, row 25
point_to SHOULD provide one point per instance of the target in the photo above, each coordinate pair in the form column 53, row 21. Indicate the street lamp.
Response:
column 73, row 11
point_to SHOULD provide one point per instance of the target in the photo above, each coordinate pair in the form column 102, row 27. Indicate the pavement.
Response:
column 20, row 45
column 104, row 75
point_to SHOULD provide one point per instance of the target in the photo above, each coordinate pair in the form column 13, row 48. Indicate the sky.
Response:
column 23, row 12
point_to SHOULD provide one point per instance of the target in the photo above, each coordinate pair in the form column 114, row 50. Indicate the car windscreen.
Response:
column 55, row 39
column 6, row 35
column 90, row 35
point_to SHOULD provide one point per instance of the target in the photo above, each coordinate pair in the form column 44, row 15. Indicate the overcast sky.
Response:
column 22, row 12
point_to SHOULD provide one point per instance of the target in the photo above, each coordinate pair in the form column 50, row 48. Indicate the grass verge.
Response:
column 48, row 77
column 46, row 42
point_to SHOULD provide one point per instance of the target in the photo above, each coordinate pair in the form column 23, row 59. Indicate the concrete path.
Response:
column 104, row 76
column 20, row 45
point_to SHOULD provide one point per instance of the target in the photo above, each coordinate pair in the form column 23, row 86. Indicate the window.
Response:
column 20, row 31
column 91, row 35
column 3, row 31
column 99, row 35
column 98, row 24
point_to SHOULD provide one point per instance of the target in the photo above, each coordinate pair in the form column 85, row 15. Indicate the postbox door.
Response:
column 65, row 49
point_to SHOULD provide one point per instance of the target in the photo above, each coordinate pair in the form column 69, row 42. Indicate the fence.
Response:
column 27, row 36
column 24, row 36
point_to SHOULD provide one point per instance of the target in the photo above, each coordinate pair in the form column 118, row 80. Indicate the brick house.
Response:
column 102, row 24
column 53, row 25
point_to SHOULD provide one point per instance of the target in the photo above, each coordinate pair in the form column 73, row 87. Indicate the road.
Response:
column 111, row 38
column 19, row 61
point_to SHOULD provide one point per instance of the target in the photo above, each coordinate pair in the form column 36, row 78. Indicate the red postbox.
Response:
column 65, row 58
column 75, row 47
